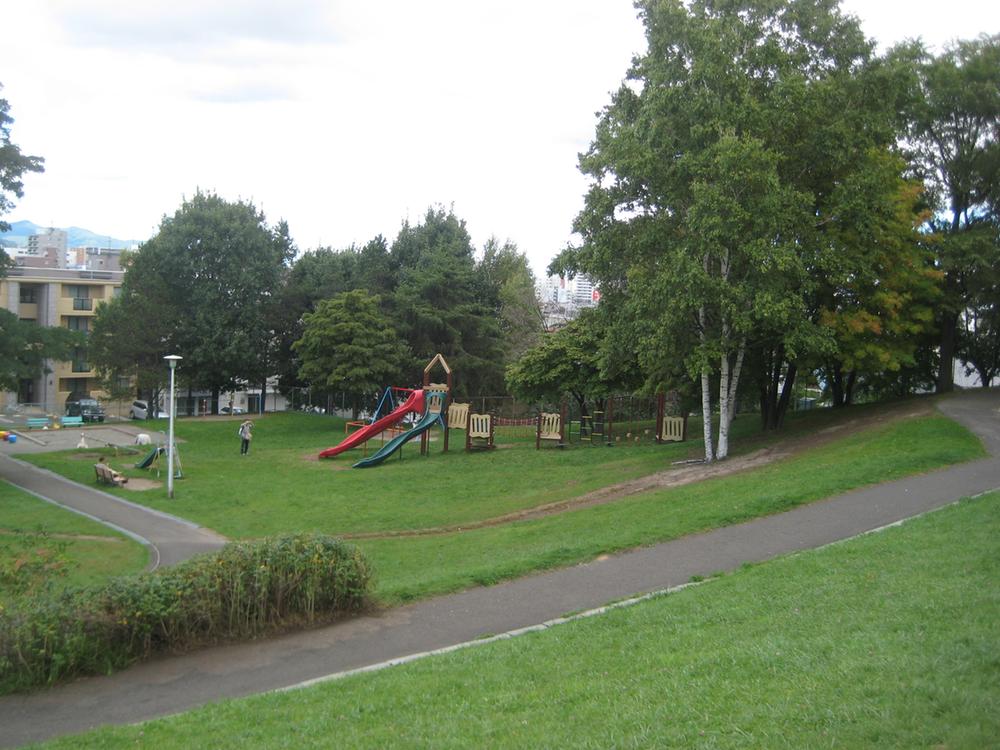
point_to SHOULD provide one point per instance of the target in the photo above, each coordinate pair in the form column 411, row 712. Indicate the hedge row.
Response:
column 244, row 590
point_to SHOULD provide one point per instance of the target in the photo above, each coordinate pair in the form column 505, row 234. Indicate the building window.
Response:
column 80, row 361
column 83, row 303
column 78, row 323
column 29, row 295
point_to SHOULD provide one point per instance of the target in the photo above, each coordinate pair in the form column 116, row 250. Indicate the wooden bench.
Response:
column 479, row 436
column 71, row 421
column 550, row 427
column 107, row 475
column 37, row 423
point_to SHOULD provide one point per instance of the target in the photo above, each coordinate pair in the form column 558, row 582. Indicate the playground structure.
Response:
column 152, row 460
column 612, row 420
column 432, row 404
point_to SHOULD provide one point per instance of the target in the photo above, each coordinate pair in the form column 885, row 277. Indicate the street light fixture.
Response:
column 172, row 360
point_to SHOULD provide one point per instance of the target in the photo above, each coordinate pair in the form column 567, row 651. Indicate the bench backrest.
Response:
column 480, row 426
column 550, row 426
column 71, row 420
column 458, row 416
column 37, row 422
column 673, row 429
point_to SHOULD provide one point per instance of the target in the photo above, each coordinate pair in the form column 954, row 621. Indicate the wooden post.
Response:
column 609, row 422
column 538, row 432
column 661, row 406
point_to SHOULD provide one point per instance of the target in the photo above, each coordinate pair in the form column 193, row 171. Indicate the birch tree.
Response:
column 711, row 176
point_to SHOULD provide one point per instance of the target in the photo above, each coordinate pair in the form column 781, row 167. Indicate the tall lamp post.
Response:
column 172, row 361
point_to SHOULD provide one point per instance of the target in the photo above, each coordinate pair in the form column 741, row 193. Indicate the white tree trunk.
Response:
column 706, row 413
column 727, row 398
column 706, row 388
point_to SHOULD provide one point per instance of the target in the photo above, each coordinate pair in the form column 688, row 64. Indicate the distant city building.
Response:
column 562, row 299
column 96, row 258
column 46, row 249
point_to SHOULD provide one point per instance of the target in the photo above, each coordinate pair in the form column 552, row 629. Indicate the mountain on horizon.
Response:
column 20, row 231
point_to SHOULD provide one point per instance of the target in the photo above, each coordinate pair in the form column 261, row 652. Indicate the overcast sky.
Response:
column 344, row 118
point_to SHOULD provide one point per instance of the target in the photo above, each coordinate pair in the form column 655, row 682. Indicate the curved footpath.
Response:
column 169, row 539
column 173, row 684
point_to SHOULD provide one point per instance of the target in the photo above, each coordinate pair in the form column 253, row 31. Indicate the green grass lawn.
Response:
column 888, row 641
column 280, row 487
column 86, row 551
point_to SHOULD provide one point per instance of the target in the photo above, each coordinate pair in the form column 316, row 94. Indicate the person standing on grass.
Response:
column 246, row 435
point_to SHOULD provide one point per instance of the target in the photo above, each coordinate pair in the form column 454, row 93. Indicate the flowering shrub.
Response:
column 244, row 590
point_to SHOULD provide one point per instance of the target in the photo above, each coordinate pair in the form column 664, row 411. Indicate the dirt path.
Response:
column 677, row 476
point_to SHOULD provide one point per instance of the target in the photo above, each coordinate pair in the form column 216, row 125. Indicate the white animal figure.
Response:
column 142, row 439
column 83, row 441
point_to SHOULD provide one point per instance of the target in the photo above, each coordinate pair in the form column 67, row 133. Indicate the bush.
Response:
column 244, row 590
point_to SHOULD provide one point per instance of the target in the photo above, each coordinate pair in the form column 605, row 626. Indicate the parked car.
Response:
column 234, row 410
column 86, row 407
column 140, row 410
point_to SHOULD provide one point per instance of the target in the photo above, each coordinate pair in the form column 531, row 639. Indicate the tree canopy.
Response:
column 954, row 134
column 204, row 287
column 349, row 345
column 714, row 172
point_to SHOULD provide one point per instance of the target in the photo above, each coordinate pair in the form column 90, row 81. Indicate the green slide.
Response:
column 148, row 460
column 425, row 423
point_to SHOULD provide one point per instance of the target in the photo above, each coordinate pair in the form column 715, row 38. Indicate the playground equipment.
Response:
column 445, row 390
column 551, row 427
column 433, row 415
column 431, row 402
column 152, row 460
column 615, row 420
column 413, row 404
column 479, row 433
column 458, row 416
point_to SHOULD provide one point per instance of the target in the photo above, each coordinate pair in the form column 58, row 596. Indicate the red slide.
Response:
column 415, row 403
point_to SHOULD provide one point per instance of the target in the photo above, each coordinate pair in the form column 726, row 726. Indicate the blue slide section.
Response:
column 425, row 423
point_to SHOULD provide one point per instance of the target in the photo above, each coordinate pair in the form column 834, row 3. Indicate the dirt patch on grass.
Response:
column 685, row 473
column 141, row 485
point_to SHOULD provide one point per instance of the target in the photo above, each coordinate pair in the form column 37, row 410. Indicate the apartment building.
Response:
column 66, row 297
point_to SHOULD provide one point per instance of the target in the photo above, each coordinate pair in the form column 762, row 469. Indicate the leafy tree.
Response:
column 442, row 305
column 508, row 273
column 25, row 347
column 955, row 136
column 212, row 273
column 714, row 174
column 573, row 360
column 979, row 340
column 13, row 165
column 315, row 276
column 348, row 344
column 879, row 302
column 128, row 340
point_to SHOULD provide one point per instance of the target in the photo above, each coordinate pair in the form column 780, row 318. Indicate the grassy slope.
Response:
column 89, row 561
column 884, row 641
column 415, row 567
column 279, row 489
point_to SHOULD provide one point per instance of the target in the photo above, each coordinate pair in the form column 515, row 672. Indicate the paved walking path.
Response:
column 168, row 538
column 175, row 684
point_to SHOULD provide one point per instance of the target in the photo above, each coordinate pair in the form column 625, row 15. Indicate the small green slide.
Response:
column 148, row 460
